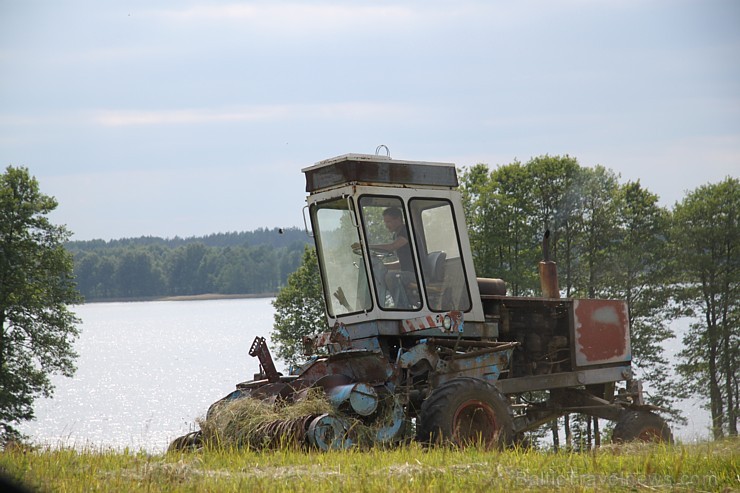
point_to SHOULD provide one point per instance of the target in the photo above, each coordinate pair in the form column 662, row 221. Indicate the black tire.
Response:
column 463, row 412
column 642, row 426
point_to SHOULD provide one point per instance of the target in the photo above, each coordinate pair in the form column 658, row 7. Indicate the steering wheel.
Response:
column 382, row 254
column 374, row 252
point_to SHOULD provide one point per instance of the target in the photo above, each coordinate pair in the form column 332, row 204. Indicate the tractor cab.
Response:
column 391, row 241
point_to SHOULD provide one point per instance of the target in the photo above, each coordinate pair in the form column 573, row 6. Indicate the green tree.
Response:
column 136, row 274
column 86, row 273
column 185, row 271
column 597, row 234
column 37, row 329
column 500, row 226
column 232, row 276
column 557, row 196
column 299, row 309
column 707, row 249
column 640, row 274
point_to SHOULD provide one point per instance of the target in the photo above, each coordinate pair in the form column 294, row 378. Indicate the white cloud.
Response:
column 320, row 15
column 289, row 16
column 117, row 118
column 262, row 113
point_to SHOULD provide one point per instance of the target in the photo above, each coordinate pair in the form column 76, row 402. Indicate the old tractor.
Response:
column 419, row 347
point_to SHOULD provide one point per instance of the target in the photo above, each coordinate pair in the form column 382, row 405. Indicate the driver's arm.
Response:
column 385, row 247
column 391, row 247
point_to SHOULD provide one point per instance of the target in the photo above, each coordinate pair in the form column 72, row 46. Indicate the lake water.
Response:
column 147, row 370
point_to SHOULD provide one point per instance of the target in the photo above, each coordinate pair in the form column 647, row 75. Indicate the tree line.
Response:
column 254, row 262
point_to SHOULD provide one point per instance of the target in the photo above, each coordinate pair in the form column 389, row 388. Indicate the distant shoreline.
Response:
column 193, row 297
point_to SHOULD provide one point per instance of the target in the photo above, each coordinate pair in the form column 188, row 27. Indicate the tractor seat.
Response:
column 435, row 268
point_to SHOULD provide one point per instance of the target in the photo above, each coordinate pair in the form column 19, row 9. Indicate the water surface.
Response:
column 147, row 370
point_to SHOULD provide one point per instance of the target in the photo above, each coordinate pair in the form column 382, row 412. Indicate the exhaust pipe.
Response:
column 548, row 271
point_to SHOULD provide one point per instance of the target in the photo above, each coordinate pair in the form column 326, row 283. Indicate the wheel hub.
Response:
column 474, row 421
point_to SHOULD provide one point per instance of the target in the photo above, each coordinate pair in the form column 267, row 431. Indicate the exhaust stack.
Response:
column 548, row 271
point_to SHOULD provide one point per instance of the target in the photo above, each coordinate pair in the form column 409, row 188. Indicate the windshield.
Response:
column 343, row 267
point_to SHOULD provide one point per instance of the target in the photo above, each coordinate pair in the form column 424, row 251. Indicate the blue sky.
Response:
column 194, row 117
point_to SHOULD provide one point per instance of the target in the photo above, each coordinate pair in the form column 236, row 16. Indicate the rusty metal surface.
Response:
column 486, row 364
column 582, row 401
column 561, row 380
column 600, row 332
column 360, row 366
column 361, row 398
column 464, row 343
column 548, row 271
column 417, row 354
column 259, row 350
column 526, row 301
column 549, row 279
column 491, row 287
column 393, row 427
column 328, row 432
column 272, row 392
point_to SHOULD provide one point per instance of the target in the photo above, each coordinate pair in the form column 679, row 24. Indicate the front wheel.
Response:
column 464, row 412
column 641, row 426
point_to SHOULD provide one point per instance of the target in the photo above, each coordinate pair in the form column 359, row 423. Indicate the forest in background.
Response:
column 253, row 262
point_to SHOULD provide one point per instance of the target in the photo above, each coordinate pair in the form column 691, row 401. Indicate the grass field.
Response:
column 711, row 466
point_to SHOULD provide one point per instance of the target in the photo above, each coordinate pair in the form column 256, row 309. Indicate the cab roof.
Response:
column 378, row 170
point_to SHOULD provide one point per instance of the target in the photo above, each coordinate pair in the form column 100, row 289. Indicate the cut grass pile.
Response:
column 248, row 422
column 257, row 425
column 631, row 467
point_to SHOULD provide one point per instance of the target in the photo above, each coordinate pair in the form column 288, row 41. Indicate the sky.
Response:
column 186, row 118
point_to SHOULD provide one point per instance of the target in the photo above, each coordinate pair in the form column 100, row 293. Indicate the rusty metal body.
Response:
column 400, row 334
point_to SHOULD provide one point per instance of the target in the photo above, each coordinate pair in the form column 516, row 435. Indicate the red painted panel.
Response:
column 601, row 332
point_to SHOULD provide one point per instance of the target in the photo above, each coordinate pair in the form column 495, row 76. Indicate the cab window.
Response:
column 440, row 261
column 346, row 288
column 390, row 250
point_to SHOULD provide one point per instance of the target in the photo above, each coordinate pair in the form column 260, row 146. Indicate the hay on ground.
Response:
column 258, row 425
column 252, row 423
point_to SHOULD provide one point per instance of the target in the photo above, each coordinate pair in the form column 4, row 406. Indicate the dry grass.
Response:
column 626, row 468
column 256, row 425
column 250, row 422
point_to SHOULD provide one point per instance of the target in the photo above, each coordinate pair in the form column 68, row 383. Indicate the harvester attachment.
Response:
column 336, row 402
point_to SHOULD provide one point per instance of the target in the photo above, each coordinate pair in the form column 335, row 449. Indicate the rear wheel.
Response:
column 642, row 426
column 464, row 412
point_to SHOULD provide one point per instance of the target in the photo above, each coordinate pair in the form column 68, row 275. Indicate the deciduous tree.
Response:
column 299, row 309
column 37, row 328
column 707, row 249
column 640, row 274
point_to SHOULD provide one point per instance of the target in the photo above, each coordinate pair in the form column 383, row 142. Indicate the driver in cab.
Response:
column 401, row 273
column 393, row 219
